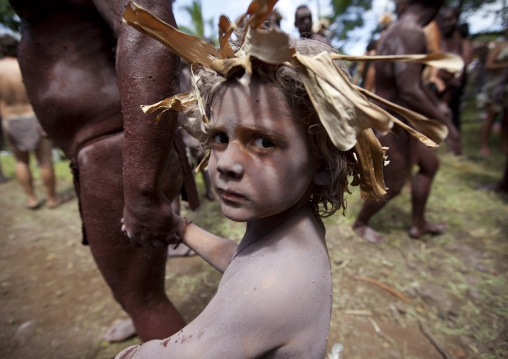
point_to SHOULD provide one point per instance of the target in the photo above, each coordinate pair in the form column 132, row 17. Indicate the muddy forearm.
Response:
column 421, row 102
column 145, row 78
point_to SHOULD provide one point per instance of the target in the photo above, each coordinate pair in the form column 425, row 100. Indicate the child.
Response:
column 275, row 298
column 274, row 166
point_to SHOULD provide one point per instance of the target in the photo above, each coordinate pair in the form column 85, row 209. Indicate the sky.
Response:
column 234, row 8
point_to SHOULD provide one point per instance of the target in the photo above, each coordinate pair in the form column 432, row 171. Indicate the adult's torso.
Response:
column 13, row 99
column 67, row 56
column 395, row 42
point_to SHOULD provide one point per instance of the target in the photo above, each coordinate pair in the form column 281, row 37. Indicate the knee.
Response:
column 394, row 188
column 431, row 168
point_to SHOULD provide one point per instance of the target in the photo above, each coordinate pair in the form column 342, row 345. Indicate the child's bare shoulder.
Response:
column 282, row 288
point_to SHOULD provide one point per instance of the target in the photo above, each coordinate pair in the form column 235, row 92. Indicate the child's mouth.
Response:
column 230, row 196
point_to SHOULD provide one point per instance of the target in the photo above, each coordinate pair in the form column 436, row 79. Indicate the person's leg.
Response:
column 485, row 132
column 504, row 131
column 3, row 178
column 422, row 181
column 395, row 177
column 24, row 175
column 135, row 275
column 44, row 156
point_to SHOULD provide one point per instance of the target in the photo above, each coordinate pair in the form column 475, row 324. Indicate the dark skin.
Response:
column 303, row 21
column 87, row 74
column 453, row 43
column 401, row 84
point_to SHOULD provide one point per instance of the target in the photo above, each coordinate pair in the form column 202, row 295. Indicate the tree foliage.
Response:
column 198, row 23
column 347, row 16
column 469, row 7
column 8, row 17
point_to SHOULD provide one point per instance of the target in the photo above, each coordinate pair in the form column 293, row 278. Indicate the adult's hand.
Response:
column 453, row 141
column 149, row 224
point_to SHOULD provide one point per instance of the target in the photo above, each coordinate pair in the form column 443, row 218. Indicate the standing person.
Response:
column 22, row 129
column 303, row 21
column 401, row 83
column 495, row 65
column 87, row 74
column 500, row 94
column 453, row 42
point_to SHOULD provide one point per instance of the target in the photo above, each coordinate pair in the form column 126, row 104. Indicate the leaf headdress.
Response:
column 343, row 108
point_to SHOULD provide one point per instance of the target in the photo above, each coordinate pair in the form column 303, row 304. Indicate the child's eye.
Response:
column 220, row 138
column 263, row 143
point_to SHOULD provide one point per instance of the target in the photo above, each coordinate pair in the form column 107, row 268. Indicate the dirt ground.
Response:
column 440, row 297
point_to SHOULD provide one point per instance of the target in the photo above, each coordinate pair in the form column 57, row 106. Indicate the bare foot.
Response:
column 33, row 204
column 495, row 187
column 428, row 228
column 120, row 330
column 57, row 201
column 181, row 251
column 368, row 233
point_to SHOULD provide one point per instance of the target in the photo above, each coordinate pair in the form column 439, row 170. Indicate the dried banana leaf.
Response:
column 343, row 111
column 189, row 48
column 449, row 62
column 432, row 129
column 371, row 156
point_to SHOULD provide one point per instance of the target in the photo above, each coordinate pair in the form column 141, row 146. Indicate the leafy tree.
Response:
column 347, row 16
column 8, row 17
column 197, row 21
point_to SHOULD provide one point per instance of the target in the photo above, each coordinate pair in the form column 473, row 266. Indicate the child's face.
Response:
column 261, row 162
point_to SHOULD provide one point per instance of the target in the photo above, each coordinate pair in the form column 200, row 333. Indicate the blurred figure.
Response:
column 368, row 72
column 401, row 83
column 303, row 21
column 400, row 7
column 22, row 129
column 453, row 42
column 495, row 65
column 430, row 75
column 273, row 20
column 500, row 94
column 3, row 178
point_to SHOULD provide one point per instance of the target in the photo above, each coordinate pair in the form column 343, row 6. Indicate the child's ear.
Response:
column 321, row 178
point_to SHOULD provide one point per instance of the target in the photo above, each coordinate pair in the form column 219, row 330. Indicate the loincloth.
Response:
column 24, row 132
column 485, row 99
column 188, row 191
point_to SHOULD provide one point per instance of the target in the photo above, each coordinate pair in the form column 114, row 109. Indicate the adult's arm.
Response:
column 147, row 73
column 499, row 91
column 412, row 93
column 491, row 63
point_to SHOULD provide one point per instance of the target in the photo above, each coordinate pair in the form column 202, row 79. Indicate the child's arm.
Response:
column 215, row 250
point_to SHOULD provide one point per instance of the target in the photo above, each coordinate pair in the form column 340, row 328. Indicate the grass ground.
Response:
column 455, row 283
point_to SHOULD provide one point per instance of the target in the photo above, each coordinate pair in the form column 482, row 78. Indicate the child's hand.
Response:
column 180, row 225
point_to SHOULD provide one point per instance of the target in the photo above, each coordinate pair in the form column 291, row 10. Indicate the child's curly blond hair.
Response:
column 335, row 165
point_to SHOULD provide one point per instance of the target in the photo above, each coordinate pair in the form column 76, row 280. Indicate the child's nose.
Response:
column 230, row 161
